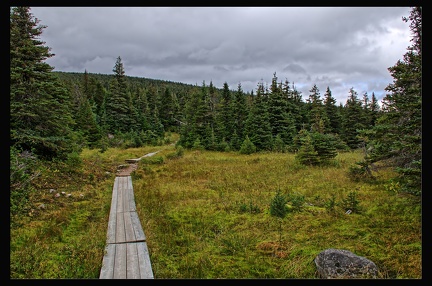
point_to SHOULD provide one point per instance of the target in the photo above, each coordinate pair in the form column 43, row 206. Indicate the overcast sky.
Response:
column 335, row 47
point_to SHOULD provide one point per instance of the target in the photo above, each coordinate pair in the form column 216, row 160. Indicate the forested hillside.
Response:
column 54, row 115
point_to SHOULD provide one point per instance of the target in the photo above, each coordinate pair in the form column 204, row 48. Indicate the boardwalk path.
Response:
column 126, row 254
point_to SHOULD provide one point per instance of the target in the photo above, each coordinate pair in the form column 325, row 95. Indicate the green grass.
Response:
column 206, row 215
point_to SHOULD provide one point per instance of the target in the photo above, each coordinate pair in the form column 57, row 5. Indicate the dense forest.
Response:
column 54, row 115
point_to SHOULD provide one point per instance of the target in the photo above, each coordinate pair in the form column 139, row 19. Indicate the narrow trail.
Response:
column 132, row 164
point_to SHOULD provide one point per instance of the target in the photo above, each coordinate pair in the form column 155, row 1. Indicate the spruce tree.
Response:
column 240, row 112
column 258, row 126
column 225, row 115
column 396, row 138
column 332, row 113
column 142, row 108
column 374, row 109
column 352, row 120
column 40, row 113
column 307, row 155
column 167, row 109
column 195, row 121
column 318, row 119
column 85, row 119
column 281, row 122
column 117, row 104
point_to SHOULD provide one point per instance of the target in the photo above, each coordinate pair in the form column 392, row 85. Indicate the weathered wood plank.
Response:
column 111, row 232
column 144, row 261
column 129, row 230
column 120, row 194
column 132, row 206
column 120, row 264
column 136, row 224
column 120, row 229
column 107, row 270
column 133, row 270
column 127, row 206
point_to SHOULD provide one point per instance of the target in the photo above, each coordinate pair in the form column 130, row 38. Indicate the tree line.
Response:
column 53, row 114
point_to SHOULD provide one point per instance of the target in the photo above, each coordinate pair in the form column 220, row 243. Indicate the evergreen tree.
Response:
column 196, row 113
column 247, row 147
column 295, row 105
column 206, row 116
column 317, row 117
column 143, row 111
column 240, row 112
column 167, row 109
column 258, row 126
column 97, row 93
column 85, row 119
column 225, row 115
column 325, row 146
column 366, row 119
column 307, row 155
column 281, row 123
column 40, row 114
column 396, row 138
column 374, row 109
column 351, row 121
column 118, row 104
column 332, row 113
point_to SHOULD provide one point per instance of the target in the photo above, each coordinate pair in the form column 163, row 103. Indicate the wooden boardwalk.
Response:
column 126, row 254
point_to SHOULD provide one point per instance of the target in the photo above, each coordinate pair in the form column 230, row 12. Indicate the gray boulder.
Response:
column 342, row 264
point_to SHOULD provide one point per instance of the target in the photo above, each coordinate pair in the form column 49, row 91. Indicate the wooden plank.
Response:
column 111, row 232
column 107, row 270
column 120, row 264
column 120, row 202
column 129, row 230
column 120, row 229
column 144, row 261
column 149, row 154
column 133, row 270
column 127, row 196
column 136, row 224
column 132, row 206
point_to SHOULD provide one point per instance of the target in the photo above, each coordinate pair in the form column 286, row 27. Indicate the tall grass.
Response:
column 207, row 215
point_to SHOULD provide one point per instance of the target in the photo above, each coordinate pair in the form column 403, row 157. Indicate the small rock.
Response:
column 57, row 195
column 42, row 206
column 63, row 193
column 81, row 196
column 51, row 191
column 68, row 195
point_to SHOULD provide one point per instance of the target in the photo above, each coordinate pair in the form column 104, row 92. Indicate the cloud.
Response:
column 339, row 47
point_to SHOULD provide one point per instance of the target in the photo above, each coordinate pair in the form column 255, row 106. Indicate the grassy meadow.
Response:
column 207, row 215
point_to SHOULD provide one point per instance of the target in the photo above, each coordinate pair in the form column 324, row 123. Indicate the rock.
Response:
column 51, row 191
column 68, row 195
column 42, row 206
column 57, row 195
column 339, row 263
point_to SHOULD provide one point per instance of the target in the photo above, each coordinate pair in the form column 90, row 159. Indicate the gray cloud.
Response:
column 339, row 47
